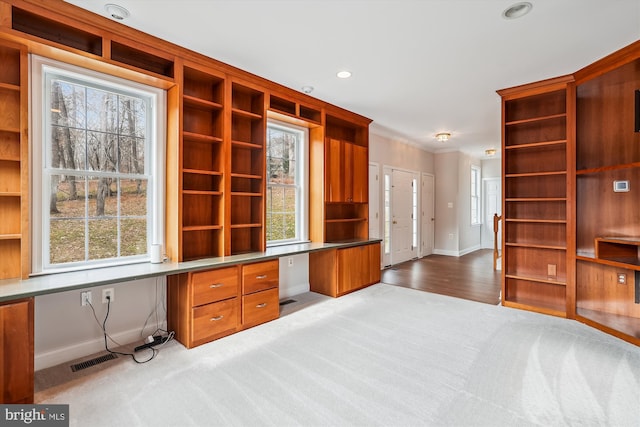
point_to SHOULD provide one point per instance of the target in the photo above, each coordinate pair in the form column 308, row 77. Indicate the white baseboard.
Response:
column 291, row 290
column 457, row 253
column 68, row 353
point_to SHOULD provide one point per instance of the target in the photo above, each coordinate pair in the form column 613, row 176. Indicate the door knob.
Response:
column 395, row 222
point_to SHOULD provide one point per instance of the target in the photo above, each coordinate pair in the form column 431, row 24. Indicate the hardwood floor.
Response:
column 470, row 276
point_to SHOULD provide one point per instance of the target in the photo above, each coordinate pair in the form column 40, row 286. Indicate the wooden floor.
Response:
column 470, row 276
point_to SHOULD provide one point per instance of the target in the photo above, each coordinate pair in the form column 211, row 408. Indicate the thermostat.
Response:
column 620, row 186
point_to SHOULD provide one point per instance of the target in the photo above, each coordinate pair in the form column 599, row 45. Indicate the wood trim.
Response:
column 173, row 161
column 571, row 211
column 25, row 200
column 614, row 60
column 536, row 88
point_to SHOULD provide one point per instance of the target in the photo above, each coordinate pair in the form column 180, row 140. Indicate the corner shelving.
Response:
column 536, row 134
column 202, row 174
column 607, row 227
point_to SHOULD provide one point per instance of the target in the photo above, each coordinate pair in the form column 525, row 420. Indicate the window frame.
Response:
column 155, row 146
column 302, row 180
column 475, row 196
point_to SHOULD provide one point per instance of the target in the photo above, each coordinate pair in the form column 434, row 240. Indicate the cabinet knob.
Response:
column 216, row 285
column 216, row 318
column 262, row 276
column 262, row 305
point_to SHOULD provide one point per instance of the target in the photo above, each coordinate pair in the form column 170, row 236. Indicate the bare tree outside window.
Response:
column 282, row 184
column 96, row 172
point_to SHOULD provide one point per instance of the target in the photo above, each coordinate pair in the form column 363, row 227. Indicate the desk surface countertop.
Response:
column 13, row 289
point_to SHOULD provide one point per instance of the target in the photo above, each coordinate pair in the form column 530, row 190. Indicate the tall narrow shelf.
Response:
column 13, row 162
column 346, row 193
column 202, row 166
column 608, row 226
column 247, row 168
column 537, row 133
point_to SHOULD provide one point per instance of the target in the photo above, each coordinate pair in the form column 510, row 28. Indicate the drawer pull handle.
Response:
column 215, row 319
column 263, row 305
column 216, row 285
column 262, row 276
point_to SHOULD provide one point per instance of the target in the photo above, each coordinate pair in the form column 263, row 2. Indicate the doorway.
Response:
column 400, row 215
column 492, row 196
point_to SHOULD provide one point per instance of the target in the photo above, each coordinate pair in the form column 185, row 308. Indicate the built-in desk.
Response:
column 16, row 302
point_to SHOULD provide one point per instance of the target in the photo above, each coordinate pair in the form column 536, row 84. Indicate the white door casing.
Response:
column 492, row 198
column 427, row 214
column 374, row 201
column 402, row 248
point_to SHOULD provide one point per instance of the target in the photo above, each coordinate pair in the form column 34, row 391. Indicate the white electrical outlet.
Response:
column 108, row 293
column 85, row 298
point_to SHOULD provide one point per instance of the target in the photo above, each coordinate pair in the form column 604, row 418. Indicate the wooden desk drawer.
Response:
column 260, row 276
column 214, row 285
column 213, row 320
column 260, row 307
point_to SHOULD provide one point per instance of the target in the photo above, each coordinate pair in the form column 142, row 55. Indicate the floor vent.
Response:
column 93, row 362
column 287, row 301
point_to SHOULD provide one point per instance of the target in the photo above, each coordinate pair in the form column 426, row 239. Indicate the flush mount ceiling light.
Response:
column 490, row 152
column 443, row 136
column 307, row 89
column 344, row 74
column 118, row 13
column 517, row 10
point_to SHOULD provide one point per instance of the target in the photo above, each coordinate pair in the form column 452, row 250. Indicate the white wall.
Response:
column 65, row 330
column 491, row 168
column 454, row 233
column 446, row 205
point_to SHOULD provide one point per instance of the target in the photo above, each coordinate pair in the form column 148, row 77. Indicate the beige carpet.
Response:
column 383, row 356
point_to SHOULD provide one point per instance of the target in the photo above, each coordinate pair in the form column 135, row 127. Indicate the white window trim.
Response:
column 478, row 196
column 302, row 223
column 156, row 187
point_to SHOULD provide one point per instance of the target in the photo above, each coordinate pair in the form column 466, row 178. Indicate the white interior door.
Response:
column 427, row 216
column 374, row 201
column 402, row 248
column 492, row 205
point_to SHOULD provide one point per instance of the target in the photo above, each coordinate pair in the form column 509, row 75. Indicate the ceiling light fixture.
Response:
column 344, row 74
column 307, row 89
column 517, row 10
column 118, row 13
column 443, row 136
column 490, row 152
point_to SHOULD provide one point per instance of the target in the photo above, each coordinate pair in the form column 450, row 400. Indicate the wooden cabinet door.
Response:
column 374, row 263
column 353, row 268
column 359, row 167
column 16, row 357
column 333, row 178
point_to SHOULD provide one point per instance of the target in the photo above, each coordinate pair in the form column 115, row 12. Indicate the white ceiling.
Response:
column 419, row 66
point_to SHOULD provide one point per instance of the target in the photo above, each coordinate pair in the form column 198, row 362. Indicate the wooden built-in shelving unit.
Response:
column 608, row 222
column 536, row 138
column 13, row 162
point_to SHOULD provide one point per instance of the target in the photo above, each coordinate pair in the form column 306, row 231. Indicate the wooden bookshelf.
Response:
column 537, row 134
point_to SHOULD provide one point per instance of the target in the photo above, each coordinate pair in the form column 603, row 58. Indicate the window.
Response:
column 287, row 177
column 475, row 195
column 97, row 188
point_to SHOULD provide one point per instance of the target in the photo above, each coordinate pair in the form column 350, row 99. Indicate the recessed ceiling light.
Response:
column 443, row 136
column 344, row 74
column 118, row 13
column 517, row 10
